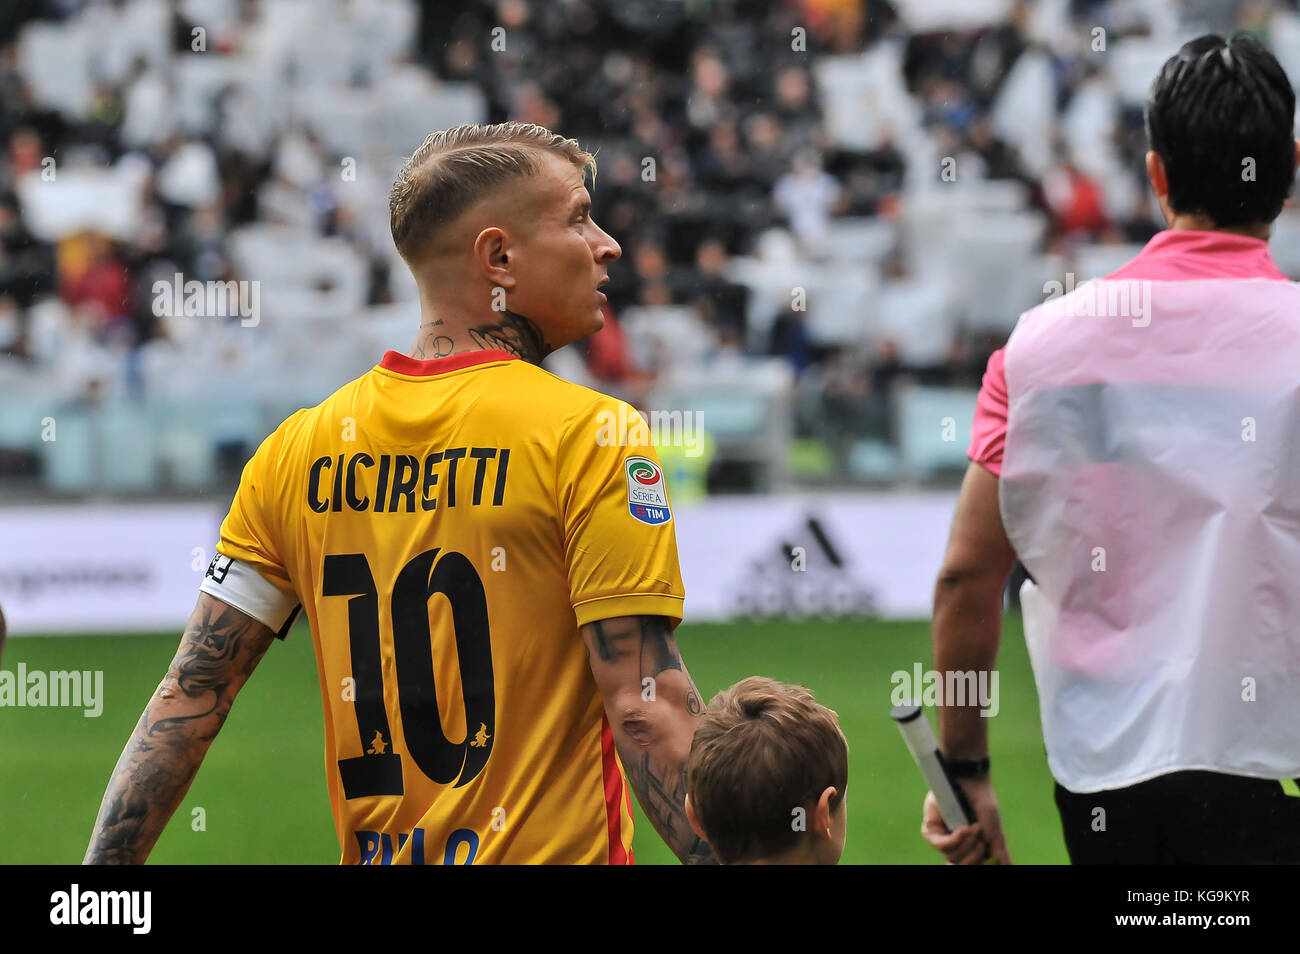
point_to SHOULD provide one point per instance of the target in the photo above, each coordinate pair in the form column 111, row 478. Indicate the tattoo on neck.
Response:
column 439, row 346
column 514, row 333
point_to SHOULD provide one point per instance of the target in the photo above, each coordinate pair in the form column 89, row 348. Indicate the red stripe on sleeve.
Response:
column 614, row 795
column 631, row 859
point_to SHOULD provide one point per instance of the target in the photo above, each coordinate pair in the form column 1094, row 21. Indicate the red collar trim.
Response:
column 402, row 364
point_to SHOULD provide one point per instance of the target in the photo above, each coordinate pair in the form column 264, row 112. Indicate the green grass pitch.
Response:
column 262, row 787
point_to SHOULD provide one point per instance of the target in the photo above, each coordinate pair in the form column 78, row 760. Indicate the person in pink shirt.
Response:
column 1136, row 446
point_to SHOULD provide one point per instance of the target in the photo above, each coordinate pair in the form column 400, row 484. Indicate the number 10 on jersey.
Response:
column 378, row 771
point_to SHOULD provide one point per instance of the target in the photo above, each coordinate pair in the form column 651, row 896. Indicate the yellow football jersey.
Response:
column 447, row 526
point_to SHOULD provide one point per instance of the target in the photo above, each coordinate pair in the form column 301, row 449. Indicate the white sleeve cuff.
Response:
column 238, row 584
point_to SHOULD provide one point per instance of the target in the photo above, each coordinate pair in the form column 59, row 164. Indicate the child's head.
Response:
column 766, row 775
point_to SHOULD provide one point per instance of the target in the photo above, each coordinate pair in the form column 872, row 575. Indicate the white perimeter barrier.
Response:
column 104, row 568
column 814, row 556
column 126, row 568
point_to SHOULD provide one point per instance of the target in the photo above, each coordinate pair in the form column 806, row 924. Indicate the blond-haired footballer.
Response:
column 491, row 586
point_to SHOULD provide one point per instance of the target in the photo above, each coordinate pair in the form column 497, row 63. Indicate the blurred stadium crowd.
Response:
column 831, row 211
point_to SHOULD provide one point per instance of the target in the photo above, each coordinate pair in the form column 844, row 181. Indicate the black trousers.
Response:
column 1184, row 818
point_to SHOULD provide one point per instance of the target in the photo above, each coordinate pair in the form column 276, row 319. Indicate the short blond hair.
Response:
column 455, row 167
column 762, row 749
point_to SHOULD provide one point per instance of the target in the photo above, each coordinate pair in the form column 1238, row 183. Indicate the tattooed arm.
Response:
column 653, row 708
column 218, row 653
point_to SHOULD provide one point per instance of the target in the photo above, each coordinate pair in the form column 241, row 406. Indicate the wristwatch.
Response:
column 966, row 768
